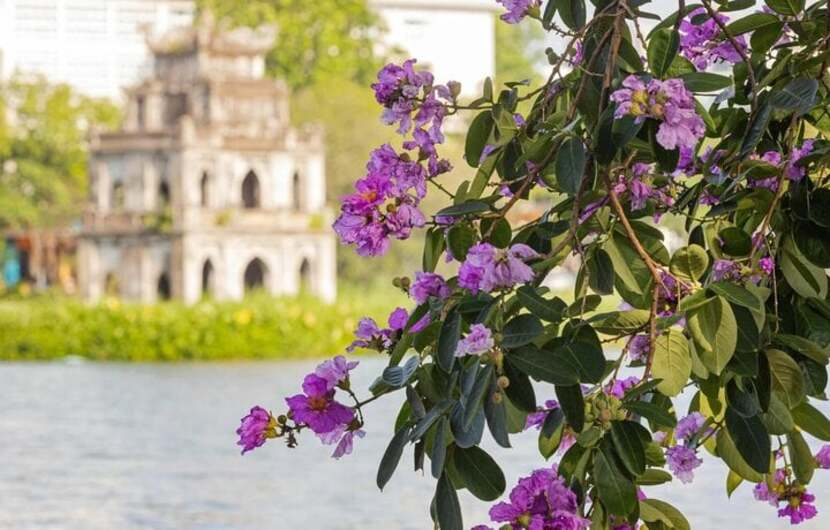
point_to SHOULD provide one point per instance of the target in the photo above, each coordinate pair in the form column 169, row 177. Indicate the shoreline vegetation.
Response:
column 260, row 327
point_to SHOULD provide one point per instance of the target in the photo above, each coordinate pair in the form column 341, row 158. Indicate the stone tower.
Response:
column 207, row 189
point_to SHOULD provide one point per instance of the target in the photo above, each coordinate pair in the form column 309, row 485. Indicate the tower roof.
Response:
column 215, row 38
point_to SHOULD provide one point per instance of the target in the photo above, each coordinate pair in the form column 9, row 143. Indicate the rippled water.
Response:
column 107, row 446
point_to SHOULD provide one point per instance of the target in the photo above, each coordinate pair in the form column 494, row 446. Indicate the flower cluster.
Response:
column 682, row 458
column 488, row 268
column 517, row 9
column 665, row 101
column 256, row 428
column 428, row 284
column 370, row 336
column 781, row 489
column 539, row 501
column 702, row 41
column 793, row 170
column 641, row 188
column 728, row 270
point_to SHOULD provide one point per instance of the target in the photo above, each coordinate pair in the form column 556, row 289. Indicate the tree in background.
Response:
column 43, row 151
column 520, row 53
column 315, row 41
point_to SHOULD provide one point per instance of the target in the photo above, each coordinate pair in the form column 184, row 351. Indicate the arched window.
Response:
column 111, row 285
column 250, row 191
column 204, row 190
column 296, row 193
column 207, row 278
column 117, row 200
column 255, row 275
column 164, row 195
column 163, row 287
column 305, row 276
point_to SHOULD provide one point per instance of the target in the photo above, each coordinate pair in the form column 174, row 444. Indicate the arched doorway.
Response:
column 207, row 278
column 255, row 275
column 111, row 285
column 164, row 195
column 204, row 190
column 296, row 193
column 163, row 291
column 250, row 191
column 117, row 199
column 305, row 276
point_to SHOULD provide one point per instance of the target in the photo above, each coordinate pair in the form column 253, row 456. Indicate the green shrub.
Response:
column 259, row 327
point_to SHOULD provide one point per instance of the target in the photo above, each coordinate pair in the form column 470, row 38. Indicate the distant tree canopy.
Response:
column 43, row 151
column 319, row 39
column 520, row 52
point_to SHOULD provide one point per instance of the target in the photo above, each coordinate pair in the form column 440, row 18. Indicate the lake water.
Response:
column 120, row 447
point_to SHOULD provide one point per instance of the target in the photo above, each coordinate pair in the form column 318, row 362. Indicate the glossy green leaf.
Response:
column 672, row 362
column 786, row 376
column 617, row 493
column 391, row 457
column 662, row 49
column 447, row 507
column 689, row 262
column 629, row 446
column 570, row 165
column 715, row 331
column 801, row 457
column 812, row 421
column 542, row 366
column 448, row 340
column 751, row 439
column 481, row 474
column 521, row 330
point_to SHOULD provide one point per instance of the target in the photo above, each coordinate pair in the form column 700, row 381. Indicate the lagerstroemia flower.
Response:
column 823, row 457
column 335, row 371
column 516, row 9
column 428, row 284
column 689, row 426
column 618, row 387
column 487, row 268
column 665, row 101
column 255, row 429
column 799, row 508
column 683, row 461
column 317, row 408
column 638, row 347
column 479, row 340
column 703, row 42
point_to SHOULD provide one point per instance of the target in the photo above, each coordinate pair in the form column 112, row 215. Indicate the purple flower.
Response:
column 398, row 319
column 689, row 426
column 724, row 269
column 317, row 408
column 639, row 192
column 346, row 443
column 703, row 42
column 536, row 419
column 516, row 9
column 767, row 265
column 428, row 284
column 799, row 508
column 369, row 336
column 487, row 268
column 682, row 461
column 638, row 347
column 335, row 371
column 823, row 457
column 479, row 340
column 255, row 429
column 666, row 101
column 796, row 172
column 618, row 387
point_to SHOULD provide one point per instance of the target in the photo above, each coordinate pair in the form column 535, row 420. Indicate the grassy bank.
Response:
column 259, row 327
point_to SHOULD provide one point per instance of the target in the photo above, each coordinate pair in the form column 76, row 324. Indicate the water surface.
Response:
column 121, row 447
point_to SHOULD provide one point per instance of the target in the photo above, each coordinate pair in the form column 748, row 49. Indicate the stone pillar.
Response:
column 325, row 282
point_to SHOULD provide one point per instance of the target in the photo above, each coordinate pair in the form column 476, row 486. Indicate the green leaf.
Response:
column 433, row 248
column 477, row 135
column 480, row 472
column 715, row 331
column 787, row 380
column 735, row 242
column 572, row 13
column 804, row 346
column 676, row 520
column 391, row 457
column 672, row 362
column 570, row 165
column 447, row 507
column 626, row 436
column 662, row 49
column 751, row 23
column 801, row 457
column 465, row 208
column 751, row 439
column 705, row 82
column 812, row 421
column 439, row 447
column 654, row 477
column 736, row 294
column 621, row 322
column 786, row 7
column 799, row 95
column 755, row 129
column 572, row 404
column 542, row 366
column 805, row 278
column 550, row 435
column 543, row 308
column 777, row 419
column 586, row 359
column 601, row 272
column 448, row 340
column 653, row 413
column 460, row 238
column 733, row 480
column 728, row 452
column 689, row 262
column 617, row 493
column 521, row 330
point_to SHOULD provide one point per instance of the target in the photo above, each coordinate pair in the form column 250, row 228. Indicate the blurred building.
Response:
column 97, row 46
column 207, row 189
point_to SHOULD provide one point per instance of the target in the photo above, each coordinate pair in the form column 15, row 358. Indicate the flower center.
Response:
column 317, row 403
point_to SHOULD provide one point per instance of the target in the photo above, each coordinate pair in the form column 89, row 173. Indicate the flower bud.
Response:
column 503, row 382
column 455, row 88
column 497, row 398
